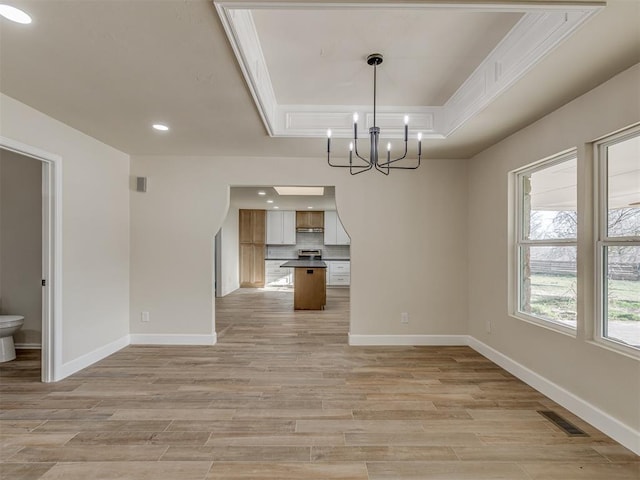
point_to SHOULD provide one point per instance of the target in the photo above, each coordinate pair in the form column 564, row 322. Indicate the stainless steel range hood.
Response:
column 310, row 230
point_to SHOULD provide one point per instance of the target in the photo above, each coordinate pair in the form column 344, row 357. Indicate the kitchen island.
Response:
column 309, row 284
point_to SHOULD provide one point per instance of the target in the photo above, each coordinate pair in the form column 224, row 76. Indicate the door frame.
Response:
column 51, row 254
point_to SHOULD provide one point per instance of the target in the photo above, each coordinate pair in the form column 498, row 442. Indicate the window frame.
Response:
column 520, row 241
column 602, row 239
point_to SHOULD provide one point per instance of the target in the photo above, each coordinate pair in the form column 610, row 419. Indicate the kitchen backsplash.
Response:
column 307, row 240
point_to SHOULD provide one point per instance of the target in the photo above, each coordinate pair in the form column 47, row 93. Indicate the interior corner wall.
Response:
column 408, row 240
column 95, row 229
column 21, row 244
column 607, row 380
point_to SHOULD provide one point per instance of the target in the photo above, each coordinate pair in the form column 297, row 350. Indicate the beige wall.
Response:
column 608, row 380
column 21, row 243
column 95, row 227
column 408, row 240
column 230, row 253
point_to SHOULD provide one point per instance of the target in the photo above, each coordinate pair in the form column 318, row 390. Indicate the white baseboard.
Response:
column 371, row 340
column 617, row 430
column 90, row 358
column 28, row 346
column 172, row 339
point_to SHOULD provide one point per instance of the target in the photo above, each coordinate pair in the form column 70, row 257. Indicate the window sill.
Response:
column 616, row 347
column 554, row 327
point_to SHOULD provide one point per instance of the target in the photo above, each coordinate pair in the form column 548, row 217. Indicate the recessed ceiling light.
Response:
column 300, row 190
column 14, row 14
column 309, row 208
column 269, row 201
column 262, row 192
column 276, row 206
column 160, row 127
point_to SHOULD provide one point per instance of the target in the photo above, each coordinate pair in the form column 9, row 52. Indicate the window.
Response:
column 546, row 242
column 618, row 246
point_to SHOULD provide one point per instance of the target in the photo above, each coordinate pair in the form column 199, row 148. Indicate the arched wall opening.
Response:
column 277, row 249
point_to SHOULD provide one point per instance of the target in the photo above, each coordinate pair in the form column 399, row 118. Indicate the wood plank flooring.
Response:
column 282, row 396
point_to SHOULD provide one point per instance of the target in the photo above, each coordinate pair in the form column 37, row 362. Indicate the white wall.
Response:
column 230, row 257
column 408, row 240
column 95, row 228
column 21, row 243
column 607, row 380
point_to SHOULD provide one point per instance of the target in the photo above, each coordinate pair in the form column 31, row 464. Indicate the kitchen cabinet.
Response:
column 309, row 219
column 276, row 276
column 252, row 226
column 251, row 236
column 338, row 273
column 281, row 228
column 334, row 232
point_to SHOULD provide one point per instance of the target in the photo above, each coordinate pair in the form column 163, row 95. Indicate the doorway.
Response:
column 51, row 220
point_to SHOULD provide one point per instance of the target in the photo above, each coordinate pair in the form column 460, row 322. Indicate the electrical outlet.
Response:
column 404, row 317
column 144, row 317
column 488, row 326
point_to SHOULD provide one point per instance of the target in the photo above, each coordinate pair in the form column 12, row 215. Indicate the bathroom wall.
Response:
column 94, row 318
column 21, row 243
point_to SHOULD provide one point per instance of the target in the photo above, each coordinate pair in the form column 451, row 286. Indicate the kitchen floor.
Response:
column 282, row 396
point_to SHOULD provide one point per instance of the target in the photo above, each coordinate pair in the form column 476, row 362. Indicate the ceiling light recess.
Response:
column 161, row 127
column 373, row 161
column 14, row 14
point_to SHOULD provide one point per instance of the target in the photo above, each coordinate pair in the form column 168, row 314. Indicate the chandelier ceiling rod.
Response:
column 374, row 59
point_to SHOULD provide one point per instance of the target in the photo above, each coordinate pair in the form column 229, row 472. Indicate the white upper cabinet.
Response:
column 281, row 228
column 334, row 233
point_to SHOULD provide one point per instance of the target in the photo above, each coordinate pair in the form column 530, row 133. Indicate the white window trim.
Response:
column 516, row 230
column 600, row 222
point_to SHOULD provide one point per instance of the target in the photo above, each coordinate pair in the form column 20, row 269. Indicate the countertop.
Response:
column 304, row 264
column 327, row 259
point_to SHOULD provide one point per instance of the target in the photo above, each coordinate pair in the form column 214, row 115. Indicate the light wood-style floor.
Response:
column 282, row 396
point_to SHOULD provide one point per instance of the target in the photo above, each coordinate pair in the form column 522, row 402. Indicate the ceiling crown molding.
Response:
column 541, row 29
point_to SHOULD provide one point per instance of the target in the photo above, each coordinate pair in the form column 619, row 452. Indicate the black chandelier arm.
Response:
column 366, row 167
column 355, row 149
column 406, row 168
column 382, row 169
column 363, row 169
column 389, row 162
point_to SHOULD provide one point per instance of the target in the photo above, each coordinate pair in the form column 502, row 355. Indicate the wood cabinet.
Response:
column 309, row 219
column 251, row 238
column 281, row 227
column 252, row 226
column 334, row 232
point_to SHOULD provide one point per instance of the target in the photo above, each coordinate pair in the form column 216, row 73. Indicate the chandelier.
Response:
column 363, row 164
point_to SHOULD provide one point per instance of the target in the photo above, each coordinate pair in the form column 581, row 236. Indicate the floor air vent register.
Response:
column 563, row 424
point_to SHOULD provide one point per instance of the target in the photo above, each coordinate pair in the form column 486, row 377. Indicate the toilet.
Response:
column 9, row 324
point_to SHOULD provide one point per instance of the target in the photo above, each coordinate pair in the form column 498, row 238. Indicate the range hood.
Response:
column 310, row 230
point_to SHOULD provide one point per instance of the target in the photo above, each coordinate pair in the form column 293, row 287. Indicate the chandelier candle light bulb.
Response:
column 374, row 60
column 355, row 126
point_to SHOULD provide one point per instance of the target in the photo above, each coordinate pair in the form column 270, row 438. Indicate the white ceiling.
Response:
column 111, row 68
column 324, row 69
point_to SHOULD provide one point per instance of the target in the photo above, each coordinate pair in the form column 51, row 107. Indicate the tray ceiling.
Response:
column 305, row 62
